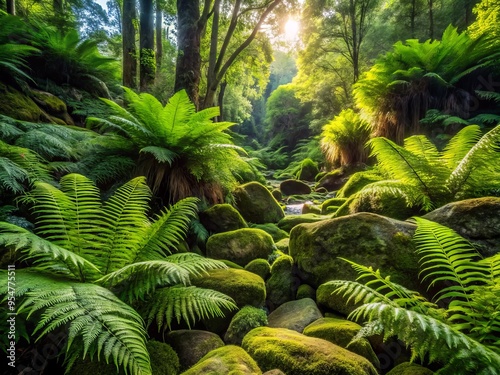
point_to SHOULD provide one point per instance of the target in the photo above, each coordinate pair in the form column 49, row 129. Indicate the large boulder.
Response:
column 276, row 233
column 229, row 359
column 240, row 246
column 256, row 204
column 341, row 332
column 260, row 267
column 364, row 238
column 478, row 220
column 383, row 203
column 308, row 170
column 297, row 354
column 295, row 315
column 191, row 345
column 282, row 285
column 294, row 187
column 290, row 221
column 222, row 218
column 408, row 368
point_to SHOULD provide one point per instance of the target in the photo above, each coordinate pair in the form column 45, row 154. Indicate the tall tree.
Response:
column 159, row 35
column 11, row 7
column 146, row 45
column 129, row 14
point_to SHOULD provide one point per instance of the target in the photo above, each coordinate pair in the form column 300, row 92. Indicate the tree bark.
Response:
column 188, row 67
column 11, row 7
column 431, row 19
column 129, row 14
column 413, row 15
column 159, row 37
column 220, row 100
column 146, row 45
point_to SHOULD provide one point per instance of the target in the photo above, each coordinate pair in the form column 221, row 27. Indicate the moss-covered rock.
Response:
column 294, row 187
column 259, row 267
column 305, row 291
column 308, row 170
column 276, row 233
column 246, row 288
column 53, row 106
column 290, row 221
column 282, row 285
column 282, row 245
column 357, row 182
column 164, row 361
column 297, row 354
column 276, row 193
column 383, row 203
column 410, row 369
column 222, row 218
column 310, row 208
column 256, row 204
column 364, row 238
column 332, row 202
column 192, row 345
column 478, row 220
column 341, row 332
column 240, row 246
column 15, row 104
column 295, row 315
column 328, row 300
column 274, row 372
column 244, row 321
column 229, row 359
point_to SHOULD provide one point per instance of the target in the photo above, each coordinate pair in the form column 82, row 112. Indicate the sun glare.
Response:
column 292, row 29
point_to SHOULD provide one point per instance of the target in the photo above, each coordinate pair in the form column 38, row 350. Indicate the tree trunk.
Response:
column 11, row 7
column 146, row 45
column 220, row 100
column 208, row 101
column 431, row 20
column 188, row 67
column 128, row 42
column 413, row 15
column 159, row 37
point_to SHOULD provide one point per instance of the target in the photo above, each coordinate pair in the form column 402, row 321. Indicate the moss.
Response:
column 290, row 221
column 341, row 332
column 222, row 218
column 305, row 291
column 319, row 176
column 246, row 288
column 15, row 104
column 51, row 103
column 276, row 193
column 332, row 202
column 282, row 245
column 276, row 233
column 232, row 264
column 357, row 182
column 256, row 204
column 385, row 204
column 282, row 285
column 244, row 321
column 308, row 170
column 259, row 267
column 296, row 354
column 230, row 359
column 294, row 187
column 409, row 369
column 240, row 246
column 164, row 361
column 308, row 208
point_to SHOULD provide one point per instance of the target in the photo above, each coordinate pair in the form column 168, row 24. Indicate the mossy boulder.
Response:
column 290, row 221
column 341, row 332
column 53, row 106
column 246, row 288
column 259, row 267
column 364, row 238
column 274, row 372
column 334, row 180
column 410, row 369
column 478, row 220
column 276, row 193
column 164, row 361
column 282, row 245
column 308, row 170
column 328, row 300
column 282, row 284
column 276, row 233
column 19, row 106
column 229, row 359
column 244, row 321
column 305, row 291
column 294, row 187
column 297, row 354
column 222, row 218
column 311, row 208
column 332, row 202
column 240, row 246
column 256, row 204
column 295, row 315
column 357, row 182
column 383, row 203
column 192, row 345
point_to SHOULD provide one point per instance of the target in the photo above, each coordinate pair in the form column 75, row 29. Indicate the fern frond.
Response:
column 188, row 304
column 195, row 264
column 460, row 145
column 105, row 325
column 161, row 154
column 357, row 292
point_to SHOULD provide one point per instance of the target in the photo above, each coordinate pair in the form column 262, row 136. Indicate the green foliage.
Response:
column 180, row 151
column 344, row 138
column 89, row 256
column 416, row 77
column 463, row 337
column 426, row 177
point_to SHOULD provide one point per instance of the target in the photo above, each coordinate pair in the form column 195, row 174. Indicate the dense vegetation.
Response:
column 135, row 136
